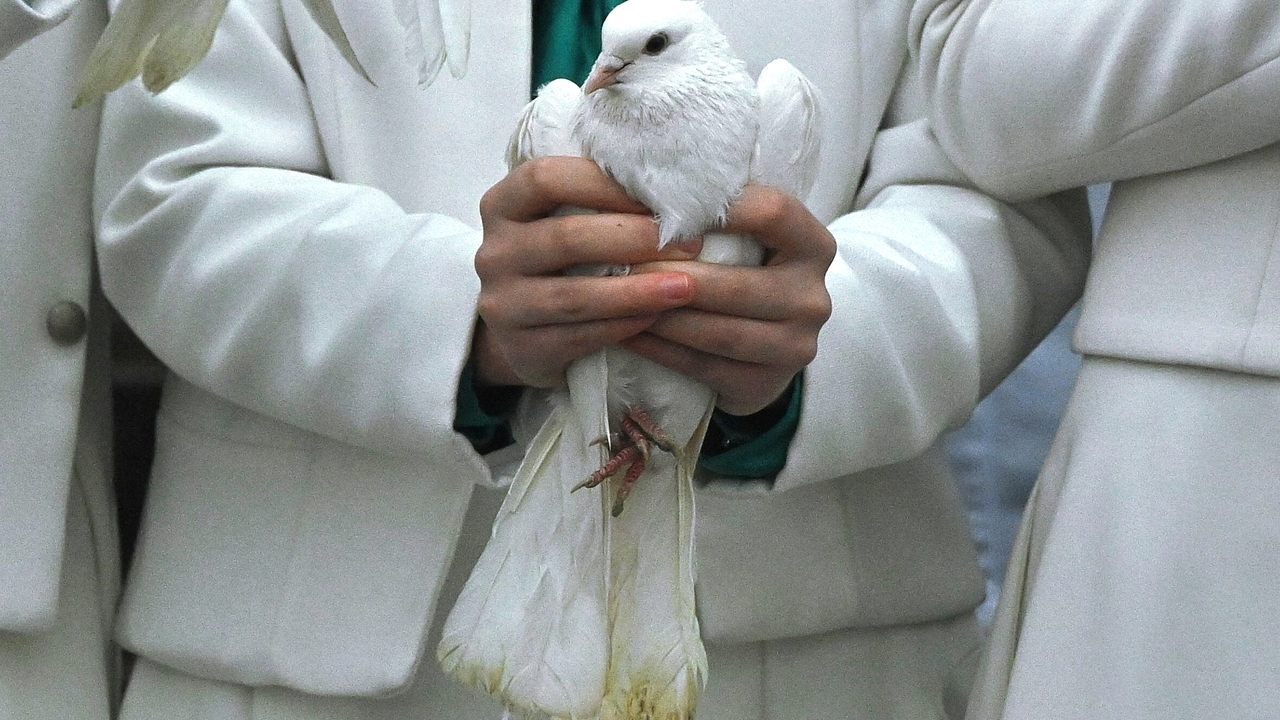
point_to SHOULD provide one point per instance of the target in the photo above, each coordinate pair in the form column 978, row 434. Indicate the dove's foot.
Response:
column 640, row 433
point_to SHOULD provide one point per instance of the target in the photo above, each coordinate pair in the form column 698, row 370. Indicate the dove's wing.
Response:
column 163, row 39
column 544, row 127
column 531, row 624
column 787, row 147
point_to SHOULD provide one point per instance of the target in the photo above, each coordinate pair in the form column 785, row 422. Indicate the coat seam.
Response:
column 1021, row 172
column 1268, row 279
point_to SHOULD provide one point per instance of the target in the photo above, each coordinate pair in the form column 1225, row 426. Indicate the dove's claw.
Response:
column 650, row 428
column 631, row 429
column 626, row 456
column 609, row 440
column 639, row 432
column 628, row 482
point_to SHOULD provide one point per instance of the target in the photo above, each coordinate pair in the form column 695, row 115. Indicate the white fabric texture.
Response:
column 71, row 671
column 21, row 20
column 59, row 553
column 912, row 672
column 915, row 672
column 53, row 398
column 297, row 245
column 1141, row 585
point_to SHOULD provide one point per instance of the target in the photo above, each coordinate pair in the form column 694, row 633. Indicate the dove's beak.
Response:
column 603, row 73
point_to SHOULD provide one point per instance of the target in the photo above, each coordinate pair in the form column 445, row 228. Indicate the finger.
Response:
column 558, row 300
column 763, row 293
column 613, row 239
column 782, row 224
column 744, row 340
column 560, row 345
column 536, row 188
column 744, row 387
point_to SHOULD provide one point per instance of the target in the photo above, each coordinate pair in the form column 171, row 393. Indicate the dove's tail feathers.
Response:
column 163, row 40
column 658, row 664
column 789, row 143
column 545, row 125
column 531, row 622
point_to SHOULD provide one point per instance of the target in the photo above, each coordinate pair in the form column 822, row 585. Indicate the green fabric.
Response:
column 483, row 415
column 566, row 38
column 752, row 446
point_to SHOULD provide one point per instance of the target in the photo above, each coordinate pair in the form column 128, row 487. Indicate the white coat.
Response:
column 297, row 246
column 58, row 547
column 1142, row 584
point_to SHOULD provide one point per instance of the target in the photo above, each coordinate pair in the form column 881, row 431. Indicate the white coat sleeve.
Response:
column 938, row 291
column 249, row 272
column 1032, row 96
column 21, row 20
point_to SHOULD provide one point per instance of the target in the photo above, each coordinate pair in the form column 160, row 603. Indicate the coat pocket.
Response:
column 310, row 565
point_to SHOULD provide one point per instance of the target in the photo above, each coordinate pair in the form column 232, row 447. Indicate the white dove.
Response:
column 162, row 40
column 576, row 609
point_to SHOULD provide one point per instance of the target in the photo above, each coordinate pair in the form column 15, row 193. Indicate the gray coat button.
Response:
column 66, row 322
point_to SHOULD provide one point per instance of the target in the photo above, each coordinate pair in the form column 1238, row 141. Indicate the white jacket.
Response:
column 54, row 394
column 297, row 246
column 1178, row 102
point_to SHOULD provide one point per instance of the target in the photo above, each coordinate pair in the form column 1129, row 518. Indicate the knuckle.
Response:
column 489, row 204
column 817, row 308
column 567, row 305
column 828, row 248
column 489, row 308
column 489, row 261
column 543, row 174
column 806, row 352
column 773, row 208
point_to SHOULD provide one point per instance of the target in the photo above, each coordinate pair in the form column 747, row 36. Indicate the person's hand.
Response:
column 749, row 330
column 535, row 321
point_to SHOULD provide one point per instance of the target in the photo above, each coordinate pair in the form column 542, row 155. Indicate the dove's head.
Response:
column 648, row 43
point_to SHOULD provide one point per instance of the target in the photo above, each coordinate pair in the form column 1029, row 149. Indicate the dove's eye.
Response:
column 657, row 43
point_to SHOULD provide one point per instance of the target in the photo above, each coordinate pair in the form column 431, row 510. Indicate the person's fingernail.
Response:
column 684, row 249
column 675, row 287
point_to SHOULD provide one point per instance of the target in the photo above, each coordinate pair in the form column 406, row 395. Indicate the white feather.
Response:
column 531, row 624
column 544, row 127
column 455, row 17
column 423, row 36
column 436, row 33
column 161, row 40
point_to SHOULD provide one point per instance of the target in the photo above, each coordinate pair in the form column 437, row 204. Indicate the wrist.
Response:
column 491, row 366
